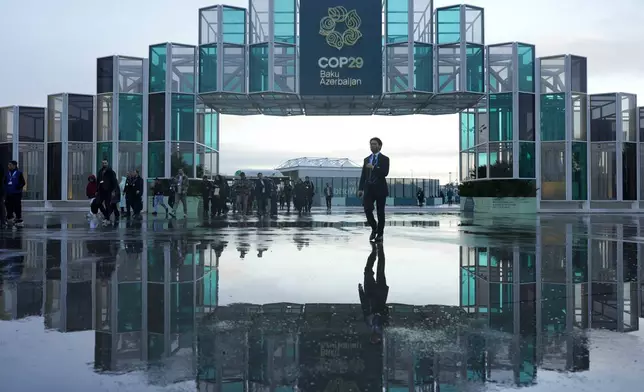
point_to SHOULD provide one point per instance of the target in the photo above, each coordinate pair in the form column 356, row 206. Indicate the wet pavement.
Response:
column 236, row 305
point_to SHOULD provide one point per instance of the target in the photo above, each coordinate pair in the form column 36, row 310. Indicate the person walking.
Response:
column 181, row 185
column 242, row 189
column 373, row 188
column 106, row 178
column 14, row 182
column 328, row 195
column 157, row 191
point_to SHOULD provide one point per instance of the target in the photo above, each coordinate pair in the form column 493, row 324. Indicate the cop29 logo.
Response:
column 339, row 16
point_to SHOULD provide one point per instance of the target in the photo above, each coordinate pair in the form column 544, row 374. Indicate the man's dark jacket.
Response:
column 375, row 180
column 108, row 178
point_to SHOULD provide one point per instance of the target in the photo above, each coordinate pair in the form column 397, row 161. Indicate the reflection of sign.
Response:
column 340, row 47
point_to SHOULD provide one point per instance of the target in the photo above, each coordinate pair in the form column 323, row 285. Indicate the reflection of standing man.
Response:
column 373, row 295
column 373, row 186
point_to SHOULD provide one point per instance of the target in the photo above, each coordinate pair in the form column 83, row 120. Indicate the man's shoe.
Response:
column 378, row 238
column 373, row 235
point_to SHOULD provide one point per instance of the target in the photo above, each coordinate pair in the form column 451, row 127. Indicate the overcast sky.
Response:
column 51, row 46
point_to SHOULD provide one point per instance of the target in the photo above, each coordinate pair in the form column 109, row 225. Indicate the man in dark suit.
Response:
column 373, row 187
column 373, row 295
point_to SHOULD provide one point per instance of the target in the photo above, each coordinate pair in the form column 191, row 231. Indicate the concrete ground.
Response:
column 552, row 302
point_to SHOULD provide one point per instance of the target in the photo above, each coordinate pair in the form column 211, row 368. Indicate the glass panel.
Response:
column 130, row 75
column 526, row 160
column 483, row 134
column 31, row 124
column 158, row 64
column 501, row 160
column 258, row 68
column 603, row 117
column 526, row 117
column 105, row 75
column 234, row 77
column 641, row 176
column 579, row 74
column 553, row 171
column 234, row 25
column 553, row 117
column 526, row 68
column 183, row 117
column 423, row 67
column 553, row 75
column 501, row 68
column 259, row 21
column 629, row 171
column 130, row 307
column 206, row 162
column 284, row 69
column 156, row 160
column 6, row 124
column 475, row 70
column 80, row 164
column 397, row 68
column 449, row 68
column 579, row 171
column 208, row 25
column 481, row 161
column 131, row 117
column 54, row 118
column 468, row 129
column 183, row 157
column 500, row 117
column 103, row 152
column 207, row 127
column 183, row 69
column 208, row 68
column 80, row 118
column 473, row 25
column 579, row 117
column 284, row 19
column 130, row 158
column 31, row 157
column 156, row 116
column 397, row 16
column 6, row 152
column 448, row 21
column 603, row 168
column 629, row 118
column 104, row 117
column 641, row 114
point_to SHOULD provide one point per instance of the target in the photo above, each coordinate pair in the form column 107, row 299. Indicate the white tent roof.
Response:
column 318, row 162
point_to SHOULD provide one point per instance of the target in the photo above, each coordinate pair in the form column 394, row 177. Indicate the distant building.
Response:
column 343, row 175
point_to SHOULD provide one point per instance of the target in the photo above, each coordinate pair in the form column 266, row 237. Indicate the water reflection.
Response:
column 152, row 301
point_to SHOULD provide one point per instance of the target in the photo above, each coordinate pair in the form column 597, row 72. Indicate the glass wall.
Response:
column 526, row 117
column 553, row 171
column 284, row 19
column 603, row 171
column 423, row 67
column 258, row 68
column 183, row 117
column 105, row 75
column 206, row 164
column 80, row 165
column 6, row 152
column 156, row 116
column 183, row 68
column 501, row 160
column 527, row 160
column 284, row 68
column 500, row 117
column 579, row 171
column 603, row 117
column 629, row 171
column 474, row 67
column 579, row 117
column 449, row 58
column 208, row 127
column 158, row 63
column 6, row 124
column 31, row 124
column 156, row 159
column 553, row 117
column 31, row 158
column 468, row 129
column 448, row 25
column 104, row 109
column 526, row 68
column 80, row 118
column 208, row 68
column 131, row 117
column 182, row 157
column 54, row 118
column 130, row 158
column 397, row 14
column 54, row 171
column 234, row 26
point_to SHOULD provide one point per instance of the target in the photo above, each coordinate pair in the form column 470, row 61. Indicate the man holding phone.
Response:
column 373, row 187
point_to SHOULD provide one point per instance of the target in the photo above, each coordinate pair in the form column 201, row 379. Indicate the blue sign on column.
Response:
column 340, row 47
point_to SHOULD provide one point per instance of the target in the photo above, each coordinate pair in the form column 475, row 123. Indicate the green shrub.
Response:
column 498, row 188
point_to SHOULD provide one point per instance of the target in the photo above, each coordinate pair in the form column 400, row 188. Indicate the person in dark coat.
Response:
column 107, row 182
column 114, row 202
column 220, row 192
column 206, row 196
column 299, row 196
column 14, row 182
column 288, row 195
column 373, row 186
column 92, row 187
column 373, row 294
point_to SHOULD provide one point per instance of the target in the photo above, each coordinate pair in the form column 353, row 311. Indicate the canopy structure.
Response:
column 317, row 162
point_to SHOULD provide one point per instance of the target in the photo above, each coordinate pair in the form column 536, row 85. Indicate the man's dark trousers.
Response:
column 370, row 197
column 105, row 200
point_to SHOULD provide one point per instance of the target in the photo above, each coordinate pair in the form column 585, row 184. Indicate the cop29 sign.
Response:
column 340, row 47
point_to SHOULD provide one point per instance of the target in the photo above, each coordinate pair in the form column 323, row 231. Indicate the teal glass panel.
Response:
column 284, row 21
column 500, row 117
column 397, row 21
column 527, row 267
column 553, row 307
column 210, row 289
column 103, row 151
column 579, row 171
column 234, row 25
column 449, row 59
column 526, row 68
column 553, row 117
column 182, row 112
column 580, row 258
column 527, row 160
column 156, row 159
column 183, row 157
column 208, row 130
column 131, row 117
column 468, row 288
column 283, row 70
column 130, row 307
column 156, row 346
column 474, row 68
column 182, row 307
column 468, row 130
column 448, row 22
column 158, row 65
column 208, row 68
column 234, row 73
column 258, row 68
column 423, row 67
